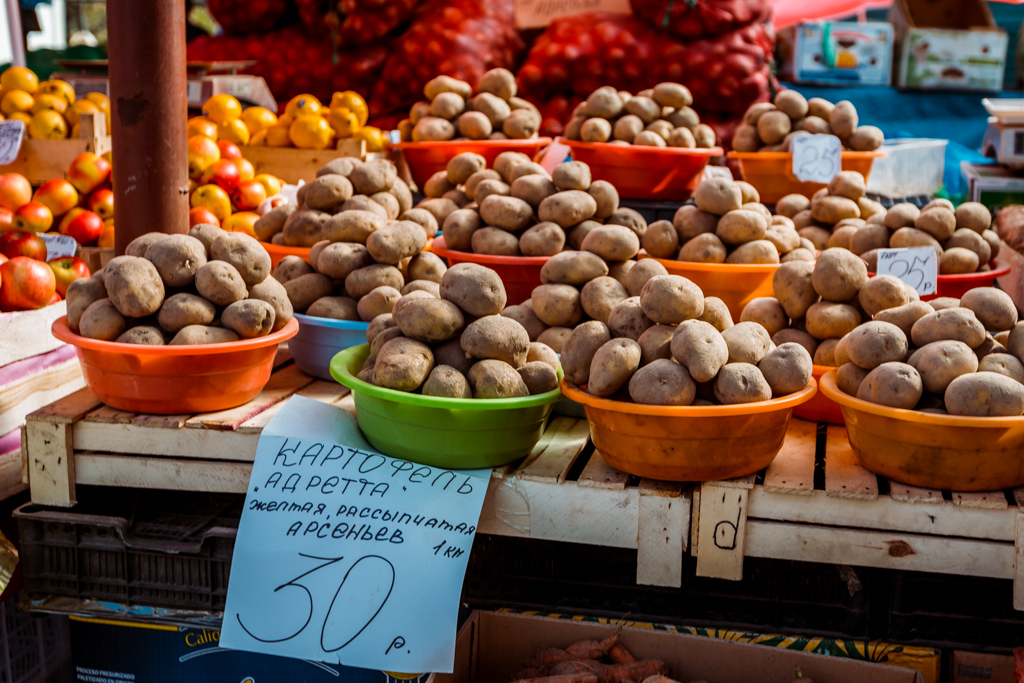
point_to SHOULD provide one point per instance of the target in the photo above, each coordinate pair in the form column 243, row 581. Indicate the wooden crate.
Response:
column 24, row 334
column 853, row 517
column 562, row 491
column 292, row 165
column 42, row 160
column 96, row 257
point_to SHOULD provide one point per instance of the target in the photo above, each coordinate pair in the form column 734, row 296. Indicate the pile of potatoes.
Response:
column 947, row 356
column 841, row 216
column 453, row 112
column 342, row 185
column 517, row 208
column 672, row 346
column 454, row 344
column 727, row 224
column 658, row 117
column 771, row 126
column 207, row 287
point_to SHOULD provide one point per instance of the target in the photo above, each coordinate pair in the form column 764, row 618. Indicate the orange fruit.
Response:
column 59, row 88
column 74, row 113
column 221, row 108
column 233, row 130
column 54, row 102
column 243, row 221
column 310, row 132
column 344, row 122
column 354, row 102
column 47, row 125
column 302, row 105
column 258, row 118
column 106, row 240
column 201, row 125
column 15, row 101
column 277, row 136
column 19, row 78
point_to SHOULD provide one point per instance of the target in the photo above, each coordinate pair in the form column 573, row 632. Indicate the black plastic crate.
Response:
column 652, row 211
column 150, row 548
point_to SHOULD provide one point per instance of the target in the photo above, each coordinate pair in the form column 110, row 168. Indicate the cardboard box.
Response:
column 845, row 52
column 114, row 652
column 976, row 667
column 948, row 45
column 492, row 646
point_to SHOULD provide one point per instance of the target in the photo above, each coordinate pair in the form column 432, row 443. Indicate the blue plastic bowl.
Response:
column 320, row 339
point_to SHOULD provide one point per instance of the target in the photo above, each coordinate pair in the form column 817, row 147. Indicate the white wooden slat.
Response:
column 792, row 471
column 599, row 474
column 844, row 477
column 887, row 550
column 552, row 462
column 105, row 469
column 325, row 392
column 51, row 463
column 664, row 516
column 986, row 500
column 746, row 482
column 25, row 395
column 131, row 439
column 722, row 529
column 913, row 494
column 283, row 383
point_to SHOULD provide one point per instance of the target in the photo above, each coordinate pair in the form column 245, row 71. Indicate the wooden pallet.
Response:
column 292, row 165
column 853, row 517
column 42, row 160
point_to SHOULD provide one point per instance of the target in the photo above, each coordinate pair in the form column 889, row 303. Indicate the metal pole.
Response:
column 146, row 46
column 14, row 27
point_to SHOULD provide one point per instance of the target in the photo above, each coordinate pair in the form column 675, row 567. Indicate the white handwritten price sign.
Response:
column 916, row 266
column 11, row 134
column 59, row 246
column 347, row 556
column 817, row 158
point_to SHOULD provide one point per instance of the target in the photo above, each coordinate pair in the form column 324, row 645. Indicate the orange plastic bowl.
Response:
column 933, row 451
column 688, row 443
column 519, row 274
column 734, row 283
column 172, row 380
column 642, row 172
column 427, row 158
column 279, row 251
column 820, row 408
column 771, row 173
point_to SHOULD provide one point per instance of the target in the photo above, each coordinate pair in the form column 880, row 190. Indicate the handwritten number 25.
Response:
column 372, row 565
column 815, row 161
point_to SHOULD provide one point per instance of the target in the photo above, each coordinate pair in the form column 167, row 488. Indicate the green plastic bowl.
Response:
column 453, row 433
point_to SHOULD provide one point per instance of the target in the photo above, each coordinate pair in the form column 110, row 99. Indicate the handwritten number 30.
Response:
column 383, row 573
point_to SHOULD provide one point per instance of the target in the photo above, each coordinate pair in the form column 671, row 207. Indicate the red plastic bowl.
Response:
column 175, row 380
column 519, row 274
column 641, row 172
column 820, row 408
column 958, row 285
column 427, row 158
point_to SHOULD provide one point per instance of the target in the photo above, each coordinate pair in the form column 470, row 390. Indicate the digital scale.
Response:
column 1004, row 137
column 205, row 79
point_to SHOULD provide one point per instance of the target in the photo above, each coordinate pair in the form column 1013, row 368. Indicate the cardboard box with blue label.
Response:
column 115, row 652
column 846, row 52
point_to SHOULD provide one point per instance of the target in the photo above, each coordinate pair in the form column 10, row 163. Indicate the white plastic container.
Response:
column 910, row 167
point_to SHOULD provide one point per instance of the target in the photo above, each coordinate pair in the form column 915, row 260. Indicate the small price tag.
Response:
column 817, row 158
column 11, row 135
column 917, row 267
column 347, row 556
column 193, row 92
column 59, row 246
column 539, row 13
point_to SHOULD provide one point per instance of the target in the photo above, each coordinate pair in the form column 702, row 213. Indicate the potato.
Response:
column 939, row 363
column 670, row 299
column 604, row 102
column 794, row 288
column 291, row 267
column 81, row 294
column 508, row 213
column 869, row 208
column 579, row 350
column 438, row 184
column 596, row 130
column 627, row 128
column 428, row 320
column 612, row 242
column 959, row 324
column 739, row 227
column 785, row 238
column 767, row 312
column 426, row 265
column 818, row 237
column 476, row 290
column 268, row 225
column 912, row 237
column 446, row 382
column 968, row 239
column 649, row 138
column 304, row 228
column 102, row 320
column 758, row 251
column 533, row 189
column 869, row 237
column 773, row 126
column 1003, row 364
column 571, row 175
column 612, row 366
column 896, row 385
column 543, row 239
column 573, row 268
column 178, row 257
column 339, row 259
column 249, row 318
column 701, row 348
column 645, row 108
column 539, row 377
column 655, row 343
column 275, row 294
column 620, row 270
column 638, row 275
column 787, row 368
column 459, row 227
column 396, row 241
column 882, row 292
column 939, row 223
column 327, row 192
column 567, row 208
column 557, row 305
column 662, row 383
column 843, row 119
column 993, row 307
column 141, row 244
column 957, row 261
column 985, row 394
column 184, row 309
column 795, row 336
column 142, row 334
column 745, row 138
column 792, row 204
column 134, row 286
column 606, row 197
column 832, row 209
column 741, row 383
column 200, row 334
column 849, row 184
column 718, row 196
column 628, row 218
column 705, row 248
column 672, row 95
column 689, row 221
column 441, row 84
column 829, row 320
column 838, row 275
column 362, row 281
column 526, row 317
column 974, row 216
column 944, row 302
column 627, row 319
column 336, row 308
column 825, row 353
column 377, row 301
column 901, row 216
column 875, row 343
column 246, row 254
column 496, row 379
column 865, row 139
column 403, row 364
column 748, row 342
column 799, row 254
column 429, row 286
column 352, row 226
